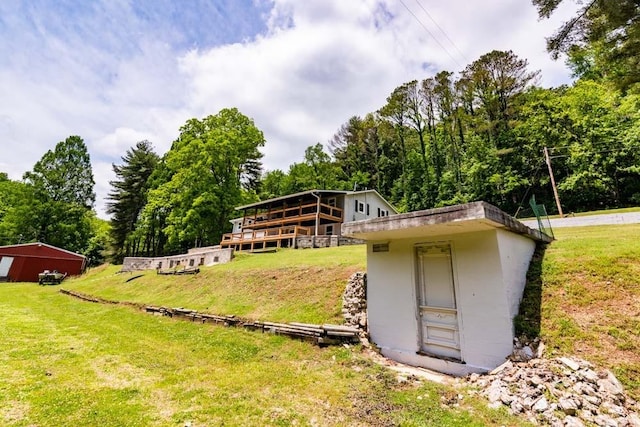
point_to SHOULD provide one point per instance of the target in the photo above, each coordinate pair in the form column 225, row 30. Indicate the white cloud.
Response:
column 323, row 62
column 318, row 63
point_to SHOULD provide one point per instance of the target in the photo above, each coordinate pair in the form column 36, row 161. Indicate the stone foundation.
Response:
column 306, row 242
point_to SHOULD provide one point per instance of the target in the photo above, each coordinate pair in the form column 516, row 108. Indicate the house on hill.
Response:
column 23, row 263
column 307, row 219
column 444, row 285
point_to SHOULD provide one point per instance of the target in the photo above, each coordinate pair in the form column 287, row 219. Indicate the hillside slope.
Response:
column 287, row 286
column 586, row 293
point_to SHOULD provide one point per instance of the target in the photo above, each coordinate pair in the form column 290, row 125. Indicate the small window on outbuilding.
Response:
column 191, row 262
column 201, row 261
column 216, row 258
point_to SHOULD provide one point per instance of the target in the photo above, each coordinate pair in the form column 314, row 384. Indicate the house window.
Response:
column 201, row 261
column 329, row 230
column 359, row 207
column 160, row 264
column 191, row 262
column 170, row 264
column 367, row 209
column 216, row 258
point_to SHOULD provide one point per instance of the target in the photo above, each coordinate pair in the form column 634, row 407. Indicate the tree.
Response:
column 606, row 30
column 129, row 195
column 18, row 205
column 212, row 167
column 498, row 78
column 62, row 183
column 65, row 174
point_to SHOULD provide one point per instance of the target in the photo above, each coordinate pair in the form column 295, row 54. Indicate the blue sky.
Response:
column 119, row 71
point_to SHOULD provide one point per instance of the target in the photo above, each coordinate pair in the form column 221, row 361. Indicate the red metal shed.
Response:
column 22, row 263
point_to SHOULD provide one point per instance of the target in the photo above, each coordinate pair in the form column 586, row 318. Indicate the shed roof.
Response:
column 26, row 248
column 465, row 218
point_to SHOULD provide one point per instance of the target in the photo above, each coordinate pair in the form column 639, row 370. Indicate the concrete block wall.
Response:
column 195, row 257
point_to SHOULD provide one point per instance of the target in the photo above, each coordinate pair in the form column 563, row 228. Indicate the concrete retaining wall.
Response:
column 306, row 242
column 211, row 255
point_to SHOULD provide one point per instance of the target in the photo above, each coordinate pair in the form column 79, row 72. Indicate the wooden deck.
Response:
column 289, row 215
column 263, row 238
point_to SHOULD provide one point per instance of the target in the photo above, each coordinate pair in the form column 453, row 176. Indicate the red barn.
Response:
column 22, row 263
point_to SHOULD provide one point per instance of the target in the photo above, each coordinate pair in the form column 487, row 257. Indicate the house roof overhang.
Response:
column 281, row 199
column 466, row 218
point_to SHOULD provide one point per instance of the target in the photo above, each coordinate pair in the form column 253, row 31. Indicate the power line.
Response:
column 431, row 34
column 442, row 31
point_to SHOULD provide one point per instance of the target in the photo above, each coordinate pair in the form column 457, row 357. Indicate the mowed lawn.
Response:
column 287, row 286
column 591, row 298
column 66, row 362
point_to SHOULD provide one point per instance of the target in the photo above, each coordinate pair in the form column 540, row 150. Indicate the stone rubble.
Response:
column 558, row 392
column 354, row 301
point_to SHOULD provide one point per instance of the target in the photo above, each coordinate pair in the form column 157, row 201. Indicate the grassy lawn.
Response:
column 591, row 298
column 290, row 285
column 71, row 363
column 68, row 362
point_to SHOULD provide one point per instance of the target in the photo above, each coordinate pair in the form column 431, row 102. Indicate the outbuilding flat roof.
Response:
column 469, row 217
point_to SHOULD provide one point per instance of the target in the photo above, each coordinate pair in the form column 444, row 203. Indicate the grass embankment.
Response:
column 71, row 363
column 591, row 298
column 287, row 286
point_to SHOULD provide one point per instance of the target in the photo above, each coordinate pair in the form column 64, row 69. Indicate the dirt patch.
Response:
column 114, row 373
column 14, row 411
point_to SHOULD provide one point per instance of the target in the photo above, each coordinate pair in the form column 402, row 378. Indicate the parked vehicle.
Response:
column 51, row 277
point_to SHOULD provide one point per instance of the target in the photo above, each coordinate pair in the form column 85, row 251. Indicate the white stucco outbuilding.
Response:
column 445, row 284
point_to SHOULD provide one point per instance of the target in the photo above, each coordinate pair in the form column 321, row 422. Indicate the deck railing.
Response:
column 265, row 234
column 291, row 214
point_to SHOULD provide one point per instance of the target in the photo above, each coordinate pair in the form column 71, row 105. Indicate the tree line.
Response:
column 447, row 139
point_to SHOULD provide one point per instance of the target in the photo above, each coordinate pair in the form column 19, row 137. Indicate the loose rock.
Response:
column 354, row 301
column 543, row 390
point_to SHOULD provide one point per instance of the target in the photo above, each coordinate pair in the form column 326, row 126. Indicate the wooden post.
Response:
column 553, row 181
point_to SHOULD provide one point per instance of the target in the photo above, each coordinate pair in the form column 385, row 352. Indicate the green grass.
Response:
column 68, row 362
column 71, row 363
column 590, row 298
column 290, row 285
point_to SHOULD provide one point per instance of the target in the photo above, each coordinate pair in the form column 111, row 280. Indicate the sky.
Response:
column 116, row 72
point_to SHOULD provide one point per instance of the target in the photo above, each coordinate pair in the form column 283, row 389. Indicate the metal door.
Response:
column 5, row 265
column 437, row 302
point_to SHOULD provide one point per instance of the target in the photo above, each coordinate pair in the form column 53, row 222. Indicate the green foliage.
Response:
column 127, row 199
column 65, row 174
column 602, row 40
column 211, row 168
column 53, row 204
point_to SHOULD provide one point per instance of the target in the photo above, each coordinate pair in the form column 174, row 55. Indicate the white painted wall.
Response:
column 483, row 274
column 515, row 255
column 369, row 197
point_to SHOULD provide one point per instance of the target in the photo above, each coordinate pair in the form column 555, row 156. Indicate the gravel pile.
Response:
column 559, row 392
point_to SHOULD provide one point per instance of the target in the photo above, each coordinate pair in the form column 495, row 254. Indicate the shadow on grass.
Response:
column 527, row 322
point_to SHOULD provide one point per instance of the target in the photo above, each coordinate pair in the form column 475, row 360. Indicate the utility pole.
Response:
column 553, row 181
